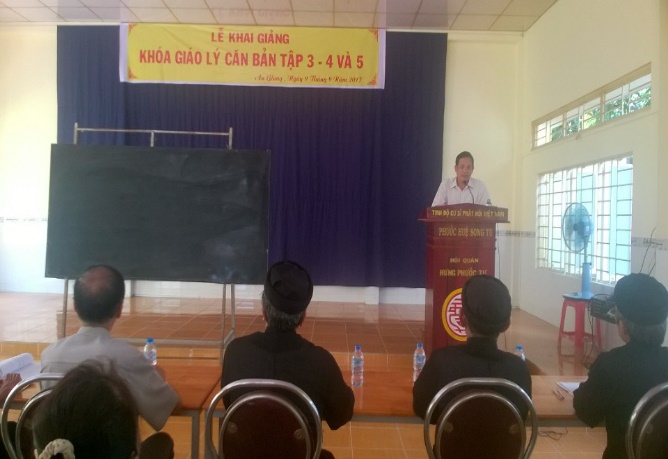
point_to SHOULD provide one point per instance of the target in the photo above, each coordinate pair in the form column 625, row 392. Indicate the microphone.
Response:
column 472, row 198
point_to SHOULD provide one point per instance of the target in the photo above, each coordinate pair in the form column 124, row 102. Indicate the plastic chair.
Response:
column 14, row 449
column 271, row 419
column 646, row 434
column 480, row 422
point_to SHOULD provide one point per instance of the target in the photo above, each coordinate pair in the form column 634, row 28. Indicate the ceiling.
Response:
column 445, row 15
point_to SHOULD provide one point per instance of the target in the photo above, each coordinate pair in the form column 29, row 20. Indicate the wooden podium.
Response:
column 460, row 244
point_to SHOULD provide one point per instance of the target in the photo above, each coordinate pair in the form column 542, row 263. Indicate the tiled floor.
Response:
column 387, row 333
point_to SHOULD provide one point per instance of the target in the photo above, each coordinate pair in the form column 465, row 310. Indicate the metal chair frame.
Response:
column 14, row 450
column 260, row 389
column 641, row 417
column 473, row 384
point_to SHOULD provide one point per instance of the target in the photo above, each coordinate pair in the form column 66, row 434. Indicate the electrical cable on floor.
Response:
column 553, row 434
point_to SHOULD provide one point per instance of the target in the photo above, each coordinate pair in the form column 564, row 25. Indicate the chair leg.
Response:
column 579, row 326
column 598, row 335
column 561, row 325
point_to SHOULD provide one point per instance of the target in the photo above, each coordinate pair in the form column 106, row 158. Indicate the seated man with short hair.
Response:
column 485, row 313
column 619, row 378
column 98, row 301
column 281, row 353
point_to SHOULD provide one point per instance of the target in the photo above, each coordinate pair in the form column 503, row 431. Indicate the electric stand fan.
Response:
column 576, row 227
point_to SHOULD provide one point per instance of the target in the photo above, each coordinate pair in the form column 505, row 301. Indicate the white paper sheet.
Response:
column 568, row 386
column 22, row 364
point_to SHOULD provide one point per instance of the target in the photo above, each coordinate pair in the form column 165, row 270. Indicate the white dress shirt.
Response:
column 154, row 397
column 449, row 193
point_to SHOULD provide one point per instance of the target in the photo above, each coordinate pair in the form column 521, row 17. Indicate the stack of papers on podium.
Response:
column 22, row 364
column 569, row 386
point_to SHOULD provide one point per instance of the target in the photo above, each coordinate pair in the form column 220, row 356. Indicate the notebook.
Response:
column 22, row 364
column 569, row 386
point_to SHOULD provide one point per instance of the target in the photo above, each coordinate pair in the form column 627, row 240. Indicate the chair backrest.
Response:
column 646, row 435
column 480, row 422
column 271, row 419
column 16, row 445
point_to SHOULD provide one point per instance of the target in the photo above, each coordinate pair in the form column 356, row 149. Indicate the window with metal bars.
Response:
column 624, row 96
column 605, row 189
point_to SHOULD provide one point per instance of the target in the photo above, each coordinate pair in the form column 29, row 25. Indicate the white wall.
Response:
column 481, row 97
column 576, row 48
column 28, row 123
column 480, row 102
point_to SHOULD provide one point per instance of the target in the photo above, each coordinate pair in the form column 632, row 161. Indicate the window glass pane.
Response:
column 613, row 104
column 639, row 99
column 591, row 113
column 556, row 128
column 624, row 207
column 623, row 266
column 572, row 121
column 624, row 252
column 541, row 134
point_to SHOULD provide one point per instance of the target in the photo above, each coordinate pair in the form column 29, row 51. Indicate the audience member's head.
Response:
column 90, row 411
column 287, row 293
column 486, row 306
column 642, row 308
column 98, row 294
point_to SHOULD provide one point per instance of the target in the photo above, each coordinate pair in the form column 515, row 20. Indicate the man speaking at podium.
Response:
column 463, row 188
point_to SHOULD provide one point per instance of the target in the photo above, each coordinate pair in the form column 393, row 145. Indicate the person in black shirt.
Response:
column 485, row 313
column 619, row 378
column 280, row 353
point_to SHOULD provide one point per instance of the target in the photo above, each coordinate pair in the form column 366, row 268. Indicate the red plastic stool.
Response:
column 579, row 306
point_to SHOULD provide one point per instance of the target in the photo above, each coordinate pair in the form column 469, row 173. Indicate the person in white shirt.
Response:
column 462, row 188
column 98, row 301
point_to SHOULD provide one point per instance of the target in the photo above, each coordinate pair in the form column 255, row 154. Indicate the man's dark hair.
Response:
column 91, row 408
column 97, row 293
column 279, row 319
column 464, row 154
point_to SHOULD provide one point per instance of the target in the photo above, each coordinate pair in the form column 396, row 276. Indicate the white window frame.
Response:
column 593, row 109
column 605, row 188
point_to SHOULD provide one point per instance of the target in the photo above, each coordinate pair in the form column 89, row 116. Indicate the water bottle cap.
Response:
column 149, row 340
column 518, row 347
column 358, row 347
column 420, row 344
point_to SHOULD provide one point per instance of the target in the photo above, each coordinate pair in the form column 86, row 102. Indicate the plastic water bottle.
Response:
column 519, row 351
column 357, row 367
column 419, row 358
column 150, row 351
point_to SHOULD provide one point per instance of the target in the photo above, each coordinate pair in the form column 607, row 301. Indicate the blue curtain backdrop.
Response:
column 351, row 169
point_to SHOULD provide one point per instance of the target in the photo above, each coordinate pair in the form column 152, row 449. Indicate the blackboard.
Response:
column 159, row 213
